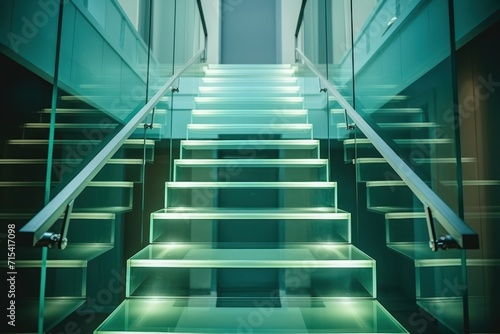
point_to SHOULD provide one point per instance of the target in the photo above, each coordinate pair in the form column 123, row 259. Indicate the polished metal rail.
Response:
column 36, row 228
column 464, row 236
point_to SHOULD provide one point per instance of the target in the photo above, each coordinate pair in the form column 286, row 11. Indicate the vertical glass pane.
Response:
column 403, row 87
column 476, row 31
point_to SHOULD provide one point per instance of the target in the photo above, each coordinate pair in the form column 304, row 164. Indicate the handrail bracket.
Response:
column 445, row 242
column 58, row 240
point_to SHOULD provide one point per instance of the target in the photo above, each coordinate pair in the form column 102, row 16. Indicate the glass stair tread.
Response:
column 252, row 185
column 265, row 90
column 223, row 213
column 251, row 162
column 201, row 316
column 383, row 98
column 205, row 255
column 384, row 111
column 69, row 126
column 245, row 98
column 128, row 142
column 249, row 81
column 249, row 112
column 249, row 66
column 239, row 127
column 120, row 184
column 401, row 125
column 406, row 142
column 249, row 72
column 418, row 160
column 421, row 253
column 255, row 144
column 423, row 256
column 22, row 161
column 74, row 256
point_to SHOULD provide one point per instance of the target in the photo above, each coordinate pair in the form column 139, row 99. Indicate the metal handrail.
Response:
column 35, row 229
column 461, row 233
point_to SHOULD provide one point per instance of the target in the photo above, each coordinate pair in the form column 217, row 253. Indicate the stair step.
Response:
column 77, row 149
column 74, row 256
column 374, row 169
column 224, row 170
column 249, row 66
column 333, row 268
column 197, row 316
column 310, row 225
column 391, row 196
column 249, row 72
column 363, row 148
column 98, row 196
column 260, row 131
column 257, row 116
column 265, row 213
column 192, row 149
column 249, row 82
column 35, row 169
column 384, row 115
column 289, row 102
column 260, row 91
column 257, row 194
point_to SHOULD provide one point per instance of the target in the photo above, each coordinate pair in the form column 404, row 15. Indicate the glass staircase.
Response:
column 79, row 130
column 431, row 154
column 251, row 238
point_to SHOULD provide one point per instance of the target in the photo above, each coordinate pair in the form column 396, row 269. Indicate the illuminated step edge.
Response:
column 72, row 161
column 251, row 185
column 401, row 125
column 326, row 213
column 249, row 112
column 83, row 111
column 74, row 215
column 390, row 111
column 294, row 163
column 249, row 66
column 278, row 99
column 249, row 81
column 101, row 98
column 203, row 255
column 74, row 256
column 405, row 142
column 252, row 72
column 93, row 184
column 200, row 316
column 265, row 90
column 129, row 142
column 377, row 98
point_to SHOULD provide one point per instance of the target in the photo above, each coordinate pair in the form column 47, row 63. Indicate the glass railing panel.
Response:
column 314, row 33
column 403, row 80
column 476, row 30
column 339, row 45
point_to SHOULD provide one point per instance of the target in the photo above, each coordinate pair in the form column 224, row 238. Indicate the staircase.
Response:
column 421, row 141
column 251, row 238
column 96, row 216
